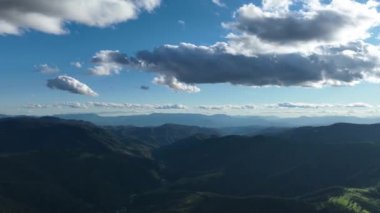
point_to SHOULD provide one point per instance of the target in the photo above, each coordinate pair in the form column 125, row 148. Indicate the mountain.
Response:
column 243, row 166
column 161, row 135
column 337, row 133
column 158, row 119
column 216, row 121
column 54, row 165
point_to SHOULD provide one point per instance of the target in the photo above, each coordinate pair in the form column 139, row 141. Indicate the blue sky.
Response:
column 23, row 83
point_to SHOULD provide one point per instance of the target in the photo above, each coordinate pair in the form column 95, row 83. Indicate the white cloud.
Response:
column 46, row 69
column 318, row 106
column 50, row 16
column 227, row 107
column 70, row 84
column 108, row 105
column 174, row 84
column 273, row 27
column 108, row 62
column 76, row 64
column 219, row 3
column 181, row 22
column 321, row 44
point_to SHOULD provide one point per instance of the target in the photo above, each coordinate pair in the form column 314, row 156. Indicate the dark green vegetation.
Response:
column 52, row 165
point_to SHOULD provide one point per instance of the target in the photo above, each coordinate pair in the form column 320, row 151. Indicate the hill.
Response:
column 267, row 166
column 53, row 165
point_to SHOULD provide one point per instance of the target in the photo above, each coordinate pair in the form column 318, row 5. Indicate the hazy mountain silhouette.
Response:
column 215, row 121
column 161, row 135
column 336, row 133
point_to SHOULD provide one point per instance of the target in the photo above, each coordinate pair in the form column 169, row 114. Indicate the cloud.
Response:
column 108, row 105
column 181, row 22
column 319, row 106
column 143, row 87
column 46, row 69
column 191, row 64
column 320, row 44
column 173, row 83
column 17, row 16
column 73, row 105
column 77, row 64
column 219, row 3
column 137, row 106
column 182, row 66
column 338, row 22
column 108, row 62
column 70, row 84
column 227, row 107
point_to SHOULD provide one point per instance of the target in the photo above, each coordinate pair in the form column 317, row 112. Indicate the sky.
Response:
column 114, row 57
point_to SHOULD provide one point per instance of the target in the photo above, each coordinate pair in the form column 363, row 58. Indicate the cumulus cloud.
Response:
column 182, row 66
column 46, row 69
column 321, row 44
column 70, row 84
column 339, row 21
column 17, row 16
column 173, row 83
column 192, row 64
column 108, row 62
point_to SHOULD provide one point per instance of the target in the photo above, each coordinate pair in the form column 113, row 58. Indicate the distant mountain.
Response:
column 157, row 119
column 52, row 165
column 161, row 135
column 336, row 133
column 216, row 121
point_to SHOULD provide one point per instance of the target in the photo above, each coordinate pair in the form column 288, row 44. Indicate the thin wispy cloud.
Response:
column 77, row 64
column 46, row 69
column 182, row 23
column 219, row 3
column 107, row 105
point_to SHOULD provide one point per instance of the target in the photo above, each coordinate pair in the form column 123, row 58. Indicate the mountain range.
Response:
column 55, row 165
column 215, row 121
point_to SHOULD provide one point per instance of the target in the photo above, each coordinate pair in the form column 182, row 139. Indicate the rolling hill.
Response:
column 52, row 165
